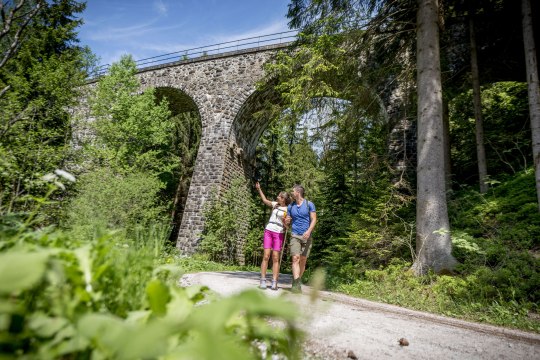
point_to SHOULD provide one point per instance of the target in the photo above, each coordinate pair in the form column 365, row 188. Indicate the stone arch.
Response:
column 179, row 101
column 191, row 98
column 238, row 150
column 220, row 93
column 188, row 133
column 247, row 129
column 244, row 134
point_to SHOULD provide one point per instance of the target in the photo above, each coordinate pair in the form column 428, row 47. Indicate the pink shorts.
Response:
column 273, row 240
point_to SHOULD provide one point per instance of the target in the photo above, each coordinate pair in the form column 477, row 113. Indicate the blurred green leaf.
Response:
column 119, row 340
column 158, row 296
column 46, row 326
column 205, row 346
column 20, row 271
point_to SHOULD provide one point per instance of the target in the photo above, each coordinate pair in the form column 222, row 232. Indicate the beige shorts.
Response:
column 299, row 246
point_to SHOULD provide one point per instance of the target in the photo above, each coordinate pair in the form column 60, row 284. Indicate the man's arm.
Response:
column 313, row 217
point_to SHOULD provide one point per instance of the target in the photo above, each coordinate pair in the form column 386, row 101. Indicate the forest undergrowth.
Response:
column 496, row 241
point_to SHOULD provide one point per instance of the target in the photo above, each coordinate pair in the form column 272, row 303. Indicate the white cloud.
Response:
column 129, row 32
column 160, row 7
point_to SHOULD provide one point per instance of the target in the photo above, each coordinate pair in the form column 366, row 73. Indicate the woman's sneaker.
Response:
column 263, row 284
column 274, row 285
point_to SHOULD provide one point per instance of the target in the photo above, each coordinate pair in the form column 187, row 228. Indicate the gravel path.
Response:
column 343, row 327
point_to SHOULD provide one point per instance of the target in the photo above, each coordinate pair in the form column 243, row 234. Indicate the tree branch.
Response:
column 4, row 90
column 7, row 28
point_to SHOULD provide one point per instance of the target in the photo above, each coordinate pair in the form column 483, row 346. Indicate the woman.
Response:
column 274, row 235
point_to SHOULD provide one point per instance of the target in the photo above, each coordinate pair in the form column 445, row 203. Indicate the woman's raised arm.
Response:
column 263, row 198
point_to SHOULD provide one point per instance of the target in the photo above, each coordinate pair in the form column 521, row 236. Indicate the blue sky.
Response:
column 145, row 28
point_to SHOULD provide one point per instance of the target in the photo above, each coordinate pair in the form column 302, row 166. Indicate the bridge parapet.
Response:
column 229, row 48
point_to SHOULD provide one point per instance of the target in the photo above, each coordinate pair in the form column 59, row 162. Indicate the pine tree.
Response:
column 433, row 243
column 38, row 80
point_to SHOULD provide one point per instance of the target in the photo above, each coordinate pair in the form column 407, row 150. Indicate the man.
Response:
column 301, row 213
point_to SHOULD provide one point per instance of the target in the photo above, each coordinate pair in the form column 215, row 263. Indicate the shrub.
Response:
column 227, row 219
column 253, row 248
column 112, row 201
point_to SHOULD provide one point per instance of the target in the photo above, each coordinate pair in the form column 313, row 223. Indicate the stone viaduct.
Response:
column 222, row 88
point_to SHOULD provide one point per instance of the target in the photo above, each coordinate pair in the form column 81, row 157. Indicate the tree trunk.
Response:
column 447, row 155
column 477, row 103
column 177, row 209
column 533, row 88
column 433, row 244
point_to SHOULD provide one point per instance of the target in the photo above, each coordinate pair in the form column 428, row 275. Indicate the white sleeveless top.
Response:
column 275, row 223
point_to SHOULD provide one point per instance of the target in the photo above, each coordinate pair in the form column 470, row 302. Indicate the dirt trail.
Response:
column 341, row 327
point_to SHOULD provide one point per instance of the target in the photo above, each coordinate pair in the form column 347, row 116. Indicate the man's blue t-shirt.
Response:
column 300, row 216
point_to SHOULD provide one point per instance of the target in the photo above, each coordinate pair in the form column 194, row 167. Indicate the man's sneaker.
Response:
column 274, row 285
column 263, row 284
column 296, row 287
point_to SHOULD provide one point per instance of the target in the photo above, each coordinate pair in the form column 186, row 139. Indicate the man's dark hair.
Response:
column 299, row 188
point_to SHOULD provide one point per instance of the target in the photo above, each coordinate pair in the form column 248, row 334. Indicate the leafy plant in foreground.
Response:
column 50, row 308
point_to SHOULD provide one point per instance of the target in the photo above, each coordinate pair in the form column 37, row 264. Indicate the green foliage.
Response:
column 508, row 212
column 201, row 262
column 183, row 149
column 125, row 264
column 465, row 246
column 140, row 156
column 185, row 144
column 132, row 132
column 226, row 221
column 495, row 239
column 302, row 166
column 317, row 73
column 379, row 230
column 506, row 131
column 59, row 306
column 253, row 248
column 271, row 154
column 38, row 86
column 153, row 135
column 470, row 297
column 106, row 200
column 116, row 297
column 285, row 155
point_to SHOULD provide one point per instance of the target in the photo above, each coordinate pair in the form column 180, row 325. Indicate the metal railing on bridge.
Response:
column 214, row 49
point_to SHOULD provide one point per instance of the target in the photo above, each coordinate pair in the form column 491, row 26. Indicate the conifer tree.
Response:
column 41, row 66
